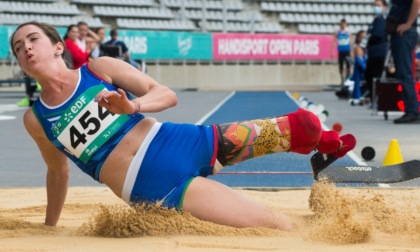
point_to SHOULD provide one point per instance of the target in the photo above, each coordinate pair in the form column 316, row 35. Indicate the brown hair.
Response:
column 47, row 29
column 358, row 39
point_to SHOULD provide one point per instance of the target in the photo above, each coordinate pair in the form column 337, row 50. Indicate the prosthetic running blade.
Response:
column 320, row 161
column 370, row 174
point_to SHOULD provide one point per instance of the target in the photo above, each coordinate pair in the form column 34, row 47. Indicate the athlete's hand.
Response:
column 115, row 101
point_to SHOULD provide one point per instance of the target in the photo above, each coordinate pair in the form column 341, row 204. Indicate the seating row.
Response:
column 322, row 1
column 219, row 15
column 61, row 20
column 198, row 4
column 45, row 8
column 115, row 2
column 316, row 7
column 148, row 24
column 324, row 18
column 326, row 29
column 162, row 13
column 264, row 27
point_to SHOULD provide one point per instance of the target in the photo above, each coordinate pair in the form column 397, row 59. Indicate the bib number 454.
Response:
column 89, row 123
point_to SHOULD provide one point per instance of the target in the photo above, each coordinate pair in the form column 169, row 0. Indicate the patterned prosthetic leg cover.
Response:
column 240, row 141
column 298, row 132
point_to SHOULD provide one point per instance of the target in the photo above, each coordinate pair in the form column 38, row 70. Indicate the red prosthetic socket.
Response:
column 305, row 131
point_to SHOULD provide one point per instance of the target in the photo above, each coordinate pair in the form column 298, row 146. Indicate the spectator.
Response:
column 403, row 16
column 125, row 53
column 377, row 46
column 84, row 32
column 358, row 69
column 78, row 56
column 342, row 41
column 101, row 34
column 98, row 52
column 93, row 46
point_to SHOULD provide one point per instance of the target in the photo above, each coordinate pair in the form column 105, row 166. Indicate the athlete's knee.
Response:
column 305, row 132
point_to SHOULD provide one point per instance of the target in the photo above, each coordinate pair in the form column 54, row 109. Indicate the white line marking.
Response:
column 10, row 107
column 4, row 117
column 206, row 116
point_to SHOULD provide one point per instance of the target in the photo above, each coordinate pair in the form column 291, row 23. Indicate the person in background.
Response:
column 78, row 56
column 94, row 47
column 376, row 46
column 403, row 42
column 342, row 44
column 97, row 51
column 84, row 33
column 358, row 68
column 31, row 87
column 125, row 52
column 100, row 32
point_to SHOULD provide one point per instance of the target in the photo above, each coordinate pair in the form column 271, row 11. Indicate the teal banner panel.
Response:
column 5, row 33
column 167, row 45
column 145, row 44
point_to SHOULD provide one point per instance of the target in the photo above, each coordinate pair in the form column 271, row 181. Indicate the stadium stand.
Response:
column 178, row 15
column 115, row 2
column 37, row 7
column 316, row 16
column 260, row 16
column 243, row 16
column 14, row 18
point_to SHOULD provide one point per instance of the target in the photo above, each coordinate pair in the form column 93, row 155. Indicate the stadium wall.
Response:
column 246, row 76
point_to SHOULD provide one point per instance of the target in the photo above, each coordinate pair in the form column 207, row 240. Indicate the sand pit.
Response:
column 329, row 219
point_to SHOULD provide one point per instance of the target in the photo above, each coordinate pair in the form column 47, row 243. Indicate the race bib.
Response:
column 85, row 126
column 343, row 41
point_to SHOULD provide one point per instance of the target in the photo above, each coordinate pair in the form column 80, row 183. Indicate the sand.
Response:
column 328, row 219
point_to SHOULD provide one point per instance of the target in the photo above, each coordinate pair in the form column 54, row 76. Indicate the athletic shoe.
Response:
column 407, row 118
column 24, row 102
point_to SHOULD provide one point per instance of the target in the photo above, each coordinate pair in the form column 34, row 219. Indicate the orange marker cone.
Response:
column 393, row 155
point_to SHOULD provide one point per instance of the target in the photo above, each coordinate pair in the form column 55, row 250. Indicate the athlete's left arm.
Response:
column 152, row 96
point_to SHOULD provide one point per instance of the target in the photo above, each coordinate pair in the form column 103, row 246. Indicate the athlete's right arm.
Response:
column 58, row 168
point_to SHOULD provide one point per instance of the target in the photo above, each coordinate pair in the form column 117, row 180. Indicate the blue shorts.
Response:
column 175, row 156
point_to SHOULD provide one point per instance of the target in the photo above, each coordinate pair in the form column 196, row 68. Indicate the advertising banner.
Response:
column 167, row 45
column 238, row 46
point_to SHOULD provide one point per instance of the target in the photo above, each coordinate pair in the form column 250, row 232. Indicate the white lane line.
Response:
column 206, row 116
column 10, row 107
column 5, row 117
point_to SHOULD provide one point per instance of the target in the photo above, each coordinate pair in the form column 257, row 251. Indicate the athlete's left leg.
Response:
column 212, row 201
column 298, row 132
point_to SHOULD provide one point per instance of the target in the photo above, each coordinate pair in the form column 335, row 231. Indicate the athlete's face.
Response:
column 33, row 48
